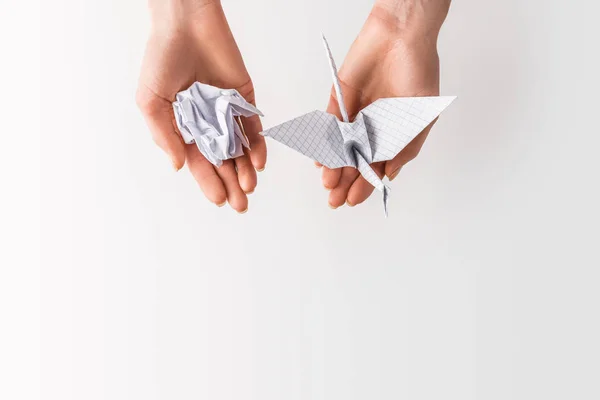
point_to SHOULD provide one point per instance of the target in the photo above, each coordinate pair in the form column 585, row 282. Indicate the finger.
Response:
column 159, row 116
column 204, row 173
column 361, row 189
column 246, row 173
column 338, row 195
column 252, row 128
column 258, row 148
column 318, row 164
column 409, row 153
column 331, row 177
column 235, row 195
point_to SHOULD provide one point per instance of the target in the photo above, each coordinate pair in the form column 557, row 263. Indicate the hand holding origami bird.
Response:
column 378, row 132
column 395, row 54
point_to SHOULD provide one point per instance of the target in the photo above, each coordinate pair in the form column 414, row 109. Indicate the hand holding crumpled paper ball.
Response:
column 206, row 115
column 195, row 44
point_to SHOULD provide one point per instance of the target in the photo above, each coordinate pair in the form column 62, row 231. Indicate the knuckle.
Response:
column 246, row 90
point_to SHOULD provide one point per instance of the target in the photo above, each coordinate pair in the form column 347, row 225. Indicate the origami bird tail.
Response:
column 369, row 174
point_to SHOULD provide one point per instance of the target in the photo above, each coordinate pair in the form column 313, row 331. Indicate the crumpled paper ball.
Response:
column 206, row 114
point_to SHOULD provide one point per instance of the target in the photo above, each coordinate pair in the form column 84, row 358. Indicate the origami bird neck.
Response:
column 354, row 134
column 336, row 81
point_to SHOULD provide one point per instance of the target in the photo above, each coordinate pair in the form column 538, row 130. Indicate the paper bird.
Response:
column 378, row 133
column 206, row 114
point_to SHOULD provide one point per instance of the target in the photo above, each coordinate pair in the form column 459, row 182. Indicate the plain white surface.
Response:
column 483, row 283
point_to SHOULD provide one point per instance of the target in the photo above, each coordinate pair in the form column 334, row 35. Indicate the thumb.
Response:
column 159, row 116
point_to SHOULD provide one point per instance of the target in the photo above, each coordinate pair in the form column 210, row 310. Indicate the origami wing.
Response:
column 392, row 123
column 315, row 135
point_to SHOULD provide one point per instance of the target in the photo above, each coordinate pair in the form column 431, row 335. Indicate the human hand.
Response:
column 394, row 55
column 191, row 41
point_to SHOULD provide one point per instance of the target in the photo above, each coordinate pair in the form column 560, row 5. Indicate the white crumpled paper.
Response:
column 205, row 115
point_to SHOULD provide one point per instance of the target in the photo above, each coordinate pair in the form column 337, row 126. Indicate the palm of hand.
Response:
column 173, row 61
column 379, row 65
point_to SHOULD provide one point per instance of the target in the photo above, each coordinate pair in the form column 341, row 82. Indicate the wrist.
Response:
column 180, row 15
column 414, row 22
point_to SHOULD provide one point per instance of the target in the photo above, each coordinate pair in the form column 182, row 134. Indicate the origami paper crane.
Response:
column 378, row 133
column 206, row 114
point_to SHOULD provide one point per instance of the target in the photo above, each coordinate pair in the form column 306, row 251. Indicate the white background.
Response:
column 483, row 283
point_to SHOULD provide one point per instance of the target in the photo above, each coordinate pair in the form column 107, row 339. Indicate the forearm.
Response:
column 181, row 14
column 413, row 18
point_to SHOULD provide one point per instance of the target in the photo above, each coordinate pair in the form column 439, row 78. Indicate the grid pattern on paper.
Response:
column 392, row 123
column 388, row 126
column 315, row 135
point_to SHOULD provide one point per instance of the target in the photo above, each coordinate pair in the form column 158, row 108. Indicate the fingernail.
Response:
column 174, row 164
column 222, row 204
column 394, row 174
column 243, row 212
column 250, row 192
column 332, row 207
column 260, row 169
column 349, row 204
